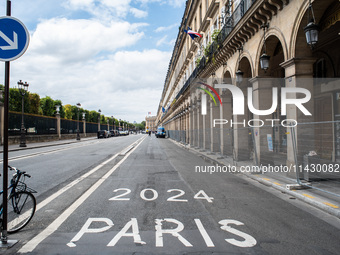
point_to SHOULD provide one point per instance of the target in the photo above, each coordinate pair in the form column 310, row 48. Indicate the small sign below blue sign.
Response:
column 14, row 38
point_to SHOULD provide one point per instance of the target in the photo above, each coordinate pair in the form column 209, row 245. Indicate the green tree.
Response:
column 68, row 111
column 93, row 116
column 47, row 106
column 34, row 103
column 102, row 119
column 15, row 100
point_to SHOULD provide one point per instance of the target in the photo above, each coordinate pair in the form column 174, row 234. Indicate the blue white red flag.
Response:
column 192, row 34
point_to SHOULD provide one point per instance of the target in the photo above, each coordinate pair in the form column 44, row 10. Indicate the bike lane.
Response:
column 151, row 204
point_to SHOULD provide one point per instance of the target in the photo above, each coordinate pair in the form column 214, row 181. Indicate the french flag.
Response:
column 192, row 34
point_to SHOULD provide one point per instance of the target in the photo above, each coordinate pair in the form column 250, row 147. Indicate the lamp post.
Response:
column 113, row 123
column 99, row 111
column 312, row 29
column 78, row 136
column 23, row 88
column 264, row 59
column 239, row 73
column 57, row 109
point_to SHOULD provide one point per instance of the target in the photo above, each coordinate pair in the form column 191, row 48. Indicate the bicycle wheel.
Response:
column 21, row 208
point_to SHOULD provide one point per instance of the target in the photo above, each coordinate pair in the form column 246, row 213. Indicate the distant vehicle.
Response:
column 125, row 132
column 103, row 134
column 160, row 132
column 114, row 133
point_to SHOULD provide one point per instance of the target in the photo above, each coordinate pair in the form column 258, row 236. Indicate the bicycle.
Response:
column 21, row 202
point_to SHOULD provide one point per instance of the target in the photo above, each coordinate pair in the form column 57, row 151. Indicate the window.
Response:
column 320, row 69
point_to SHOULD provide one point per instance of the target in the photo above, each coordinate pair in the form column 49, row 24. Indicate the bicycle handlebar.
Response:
column 18, row 171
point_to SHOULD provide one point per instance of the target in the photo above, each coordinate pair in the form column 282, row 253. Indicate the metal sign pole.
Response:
column 4, row 240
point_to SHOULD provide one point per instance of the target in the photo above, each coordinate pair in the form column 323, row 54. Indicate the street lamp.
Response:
column 113, row 123
column 239, row 73
column 264, row 59
column 312, row 29
column 23, row 88
column 78, row 136
column 99, row 127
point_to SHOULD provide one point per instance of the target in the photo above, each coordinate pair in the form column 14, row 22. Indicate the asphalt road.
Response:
column 97, row 197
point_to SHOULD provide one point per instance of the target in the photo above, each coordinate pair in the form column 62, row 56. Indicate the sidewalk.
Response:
column 15, row 147
column 324, row 197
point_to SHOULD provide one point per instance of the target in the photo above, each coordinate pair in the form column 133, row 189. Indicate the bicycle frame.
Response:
column 15, row 183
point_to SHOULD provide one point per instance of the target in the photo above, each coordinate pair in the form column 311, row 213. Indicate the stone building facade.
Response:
column 150, row 123
column 235, row 35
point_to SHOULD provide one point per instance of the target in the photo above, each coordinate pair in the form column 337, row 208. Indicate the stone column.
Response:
column 241, row 150
column 58, row 125
column 226, row 128
column 193, row 124
column 221, row 127
column 84, row 127
column 299, row 73
column 215, row 131
column 199, row 124
column 262, row 94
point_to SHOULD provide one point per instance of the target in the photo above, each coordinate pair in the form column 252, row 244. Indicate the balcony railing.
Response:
column 229, row 23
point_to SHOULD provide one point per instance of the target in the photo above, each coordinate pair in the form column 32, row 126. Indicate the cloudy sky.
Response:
column 111, row 55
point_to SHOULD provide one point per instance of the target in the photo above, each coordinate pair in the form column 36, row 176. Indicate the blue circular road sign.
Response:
column 14, row 38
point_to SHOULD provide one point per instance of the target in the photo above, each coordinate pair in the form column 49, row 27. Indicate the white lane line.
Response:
column 45, row 152
column 33, row 243
column 68, row 186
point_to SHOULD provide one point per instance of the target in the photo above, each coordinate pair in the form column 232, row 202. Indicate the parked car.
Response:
column 114, row 133
column 103, row 134
column 125, row 132
column 160, row 132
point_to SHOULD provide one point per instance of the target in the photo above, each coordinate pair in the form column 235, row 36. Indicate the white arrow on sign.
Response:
column 13, row 45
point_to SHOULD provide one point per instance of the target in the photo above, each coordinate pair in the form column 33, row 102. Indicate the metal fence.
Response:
column 43, row 125
column 34, row 124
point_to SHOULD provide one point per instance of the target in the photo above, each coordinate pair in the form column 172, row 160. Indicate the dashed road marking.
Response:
column 309, row 196
column 331, row 205
column 33, row 243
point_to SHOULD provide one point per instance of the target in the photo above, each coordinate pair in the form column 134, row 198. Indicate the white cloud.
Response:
column 162, row 41
column 103, row 10
column 174, row 3
column 126, row 84
column 138, row 13
column 75, row 40
column 83, row 53
column 81, row 3
column 162, row 29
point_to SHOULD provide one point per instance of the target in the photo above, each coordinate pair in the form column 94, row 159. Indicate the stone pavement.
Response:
column 320, row 195
column 323, row 196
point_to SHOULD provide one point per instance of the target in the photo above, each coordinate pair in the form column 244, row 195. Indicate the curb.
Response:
column 309, row 201
column 317, row 204
column 46, row 145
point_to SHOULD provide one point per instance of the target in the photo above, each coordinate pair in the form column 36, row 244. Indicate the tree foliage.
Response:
column 47, row 106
